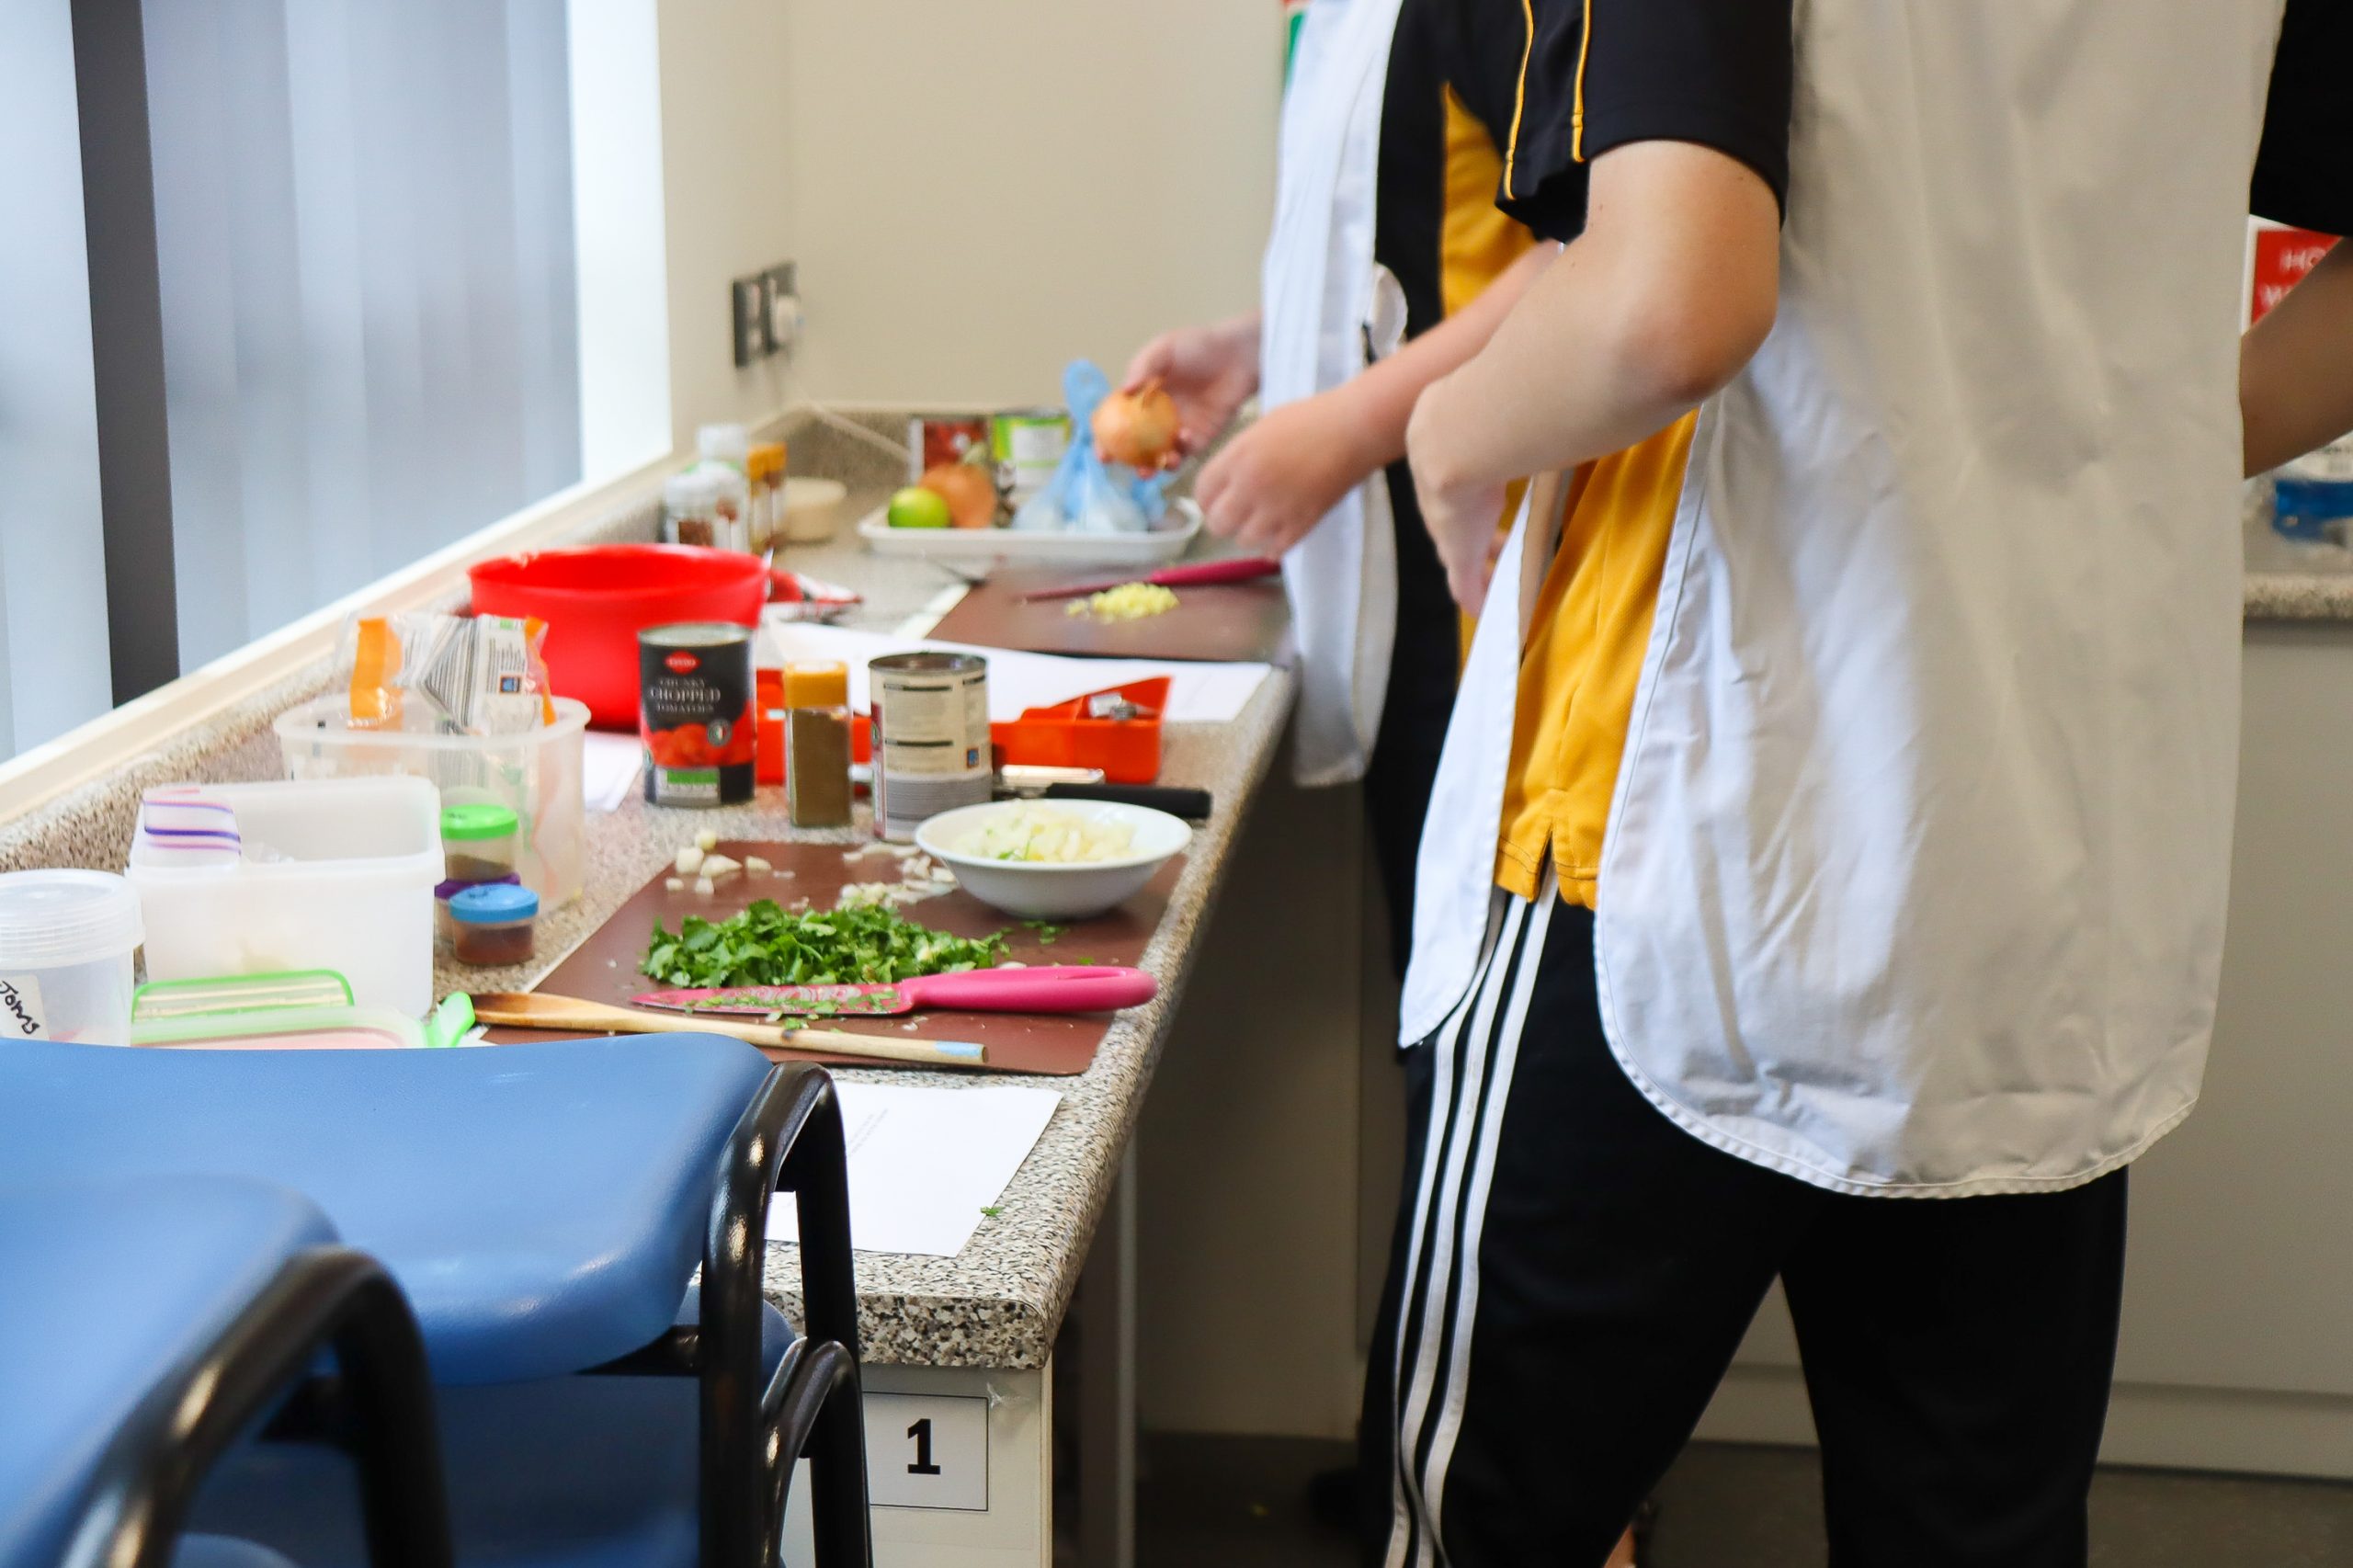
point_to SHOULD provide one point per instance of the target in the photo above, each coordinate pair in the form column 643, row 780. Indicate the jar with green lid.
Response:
column 479, row 842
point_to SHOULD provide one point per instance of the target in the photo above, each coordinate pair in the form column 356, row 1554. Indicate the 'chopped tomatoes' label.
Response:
column 696, row 717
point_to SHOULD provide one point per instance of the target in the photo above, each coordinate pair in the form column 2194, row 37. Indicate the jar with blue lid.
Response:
column 491, row 923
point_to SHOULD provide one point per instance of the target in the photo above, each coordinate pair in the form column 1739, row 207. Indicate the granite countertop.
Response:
column 2287, row 579
column 1000, row 1301
column 2300, row 596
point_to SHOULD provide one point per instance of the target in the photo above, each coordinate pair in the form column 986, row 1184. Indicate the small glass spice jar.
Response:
column 690, row 510
column 492, row 925
column 479, row 842
column 446, row 929
column 763, row 465
column 817, row 745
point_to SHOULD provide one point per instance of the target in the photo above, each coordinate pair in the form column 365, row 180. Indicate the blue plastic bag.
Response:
column 1087, row 494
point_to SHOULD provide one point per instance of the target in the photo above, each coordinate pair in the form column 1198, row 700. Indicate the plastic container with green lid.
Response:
column 479, row 842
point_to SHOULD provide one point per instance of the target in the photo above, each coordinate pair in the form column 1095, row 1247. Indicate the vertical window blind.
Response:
column 364, row 269
column 364, row 238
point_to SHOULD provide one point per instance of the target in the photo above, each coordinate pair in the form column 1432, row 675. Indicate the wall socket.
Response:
column 765, row 307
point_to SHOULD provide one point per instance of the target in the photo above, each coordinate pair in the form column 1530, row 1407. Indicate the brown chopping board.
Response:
column 1245, row 621
column 604, row 967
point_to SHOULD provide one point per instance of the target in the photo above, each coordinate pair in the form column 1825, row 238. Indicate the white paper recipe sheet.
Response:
column 924, row 1163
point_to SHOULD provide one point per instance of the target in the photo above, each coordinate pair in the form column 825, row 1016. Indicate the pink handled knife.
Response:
column 1201, row 574
column 1048, row 988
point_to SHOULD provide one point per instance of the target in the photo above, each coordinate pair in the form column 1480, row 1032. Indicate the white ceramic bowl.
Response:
column 1036, row 891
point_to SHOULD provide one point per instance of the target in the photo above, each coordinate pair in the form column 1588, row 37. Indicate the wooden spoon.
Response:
column 573, row 1015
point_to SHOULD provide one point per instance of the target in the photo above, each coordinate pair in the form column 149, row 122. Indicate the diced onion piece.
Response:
column 702, row 886
column 689, row 861
column 717, row 866
column 673, row 884
column 756, row 866
column 706, row 841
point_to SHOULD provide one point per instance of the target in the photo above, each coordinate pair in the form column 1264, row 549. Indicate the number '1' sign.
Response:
column 927, row 1450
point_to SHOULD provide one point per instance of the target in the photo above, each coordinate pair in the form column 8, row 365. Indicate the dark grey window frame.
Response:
column 127, row 345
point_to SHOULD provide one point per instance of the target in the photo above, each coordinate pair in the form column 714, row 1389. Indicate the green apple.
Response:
column 915, row 507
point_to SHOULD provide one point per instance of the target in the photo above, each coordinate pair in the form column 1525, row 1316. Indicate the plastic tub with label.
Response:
column 66, row 939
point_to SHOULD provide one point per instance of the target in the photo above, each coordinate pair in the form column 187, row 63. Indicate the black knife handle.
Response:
column 1193, row 805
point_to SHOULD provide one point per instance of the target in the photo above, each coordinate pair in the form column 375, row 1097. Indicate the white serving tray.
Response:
column 979, row 547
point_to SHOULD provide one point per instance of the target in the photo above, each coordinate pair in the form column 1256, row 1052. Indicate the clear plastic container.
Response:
column 493, row 924
column 535, row 775
column 66, row 940
column 338, row 874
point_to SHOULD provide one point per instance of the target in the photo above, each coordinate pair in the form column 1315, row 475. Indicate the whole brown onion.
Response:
column 1138, row 427
column 969, row 492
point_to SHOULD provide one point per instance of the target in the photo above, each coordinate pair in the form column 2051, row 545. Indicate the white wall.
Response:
column 983, row 192
column 974, row 194
column 727, row 191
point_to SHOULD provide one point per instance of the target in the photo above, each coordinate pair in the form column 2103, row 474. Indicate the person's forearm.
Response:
column 1382, row 399
column 2296, row 367
column 1638, row 322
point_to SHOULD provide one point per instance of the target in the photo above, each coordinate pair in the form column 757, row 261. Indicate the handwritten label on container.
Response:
column 22, row 1013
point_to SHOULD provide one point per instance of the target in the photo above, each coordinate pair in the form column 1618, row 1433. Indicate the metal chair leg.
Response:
column 326, row 1297
column 822, row 1415
column 790, row 1137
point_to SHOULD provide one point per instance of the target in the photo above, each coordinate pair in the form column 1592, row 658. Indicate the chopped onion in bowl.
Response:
column 1047, row 834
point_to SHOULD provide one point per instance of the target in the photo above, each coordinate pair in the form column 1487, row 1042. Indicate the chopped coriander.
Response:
column 992, row 1210
column 766, row 945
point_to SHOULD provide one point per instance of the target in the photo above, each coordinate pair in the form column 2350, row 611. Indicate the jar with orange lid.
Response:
column 817, row 744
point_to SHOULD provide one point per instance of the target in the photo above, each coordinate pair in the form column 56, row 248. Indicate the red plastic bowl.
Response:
column 598, row 598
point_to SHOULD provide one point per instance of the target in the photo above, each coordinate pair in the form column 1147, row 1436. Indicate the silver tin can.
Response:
column 1026, row 445
column 931, row 737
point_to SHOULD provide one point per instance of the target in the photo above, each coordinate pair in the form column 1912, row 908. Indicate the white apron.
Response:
column 1323, row 297
column 1915, row 877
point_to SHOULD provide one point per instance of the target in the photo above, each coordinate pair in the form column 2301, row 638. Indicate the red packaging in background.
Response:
column 935, row 438
column 768, row 700
column 2282, row 256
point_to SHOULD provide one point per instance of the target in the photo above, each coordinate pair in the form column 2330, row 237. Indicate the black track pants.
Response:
column 1574, row 1272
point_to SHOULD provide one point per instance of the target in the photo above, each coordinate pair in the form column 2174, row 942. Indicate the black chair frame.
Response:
column 789, row 1139
column 821, row 1413
column 326, row 1298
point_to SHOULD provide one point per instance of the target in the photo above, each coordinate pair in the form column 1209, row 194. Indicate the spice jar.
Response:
column 690, row 510
column 445, row 929
column 493, row 924
column 726, row 457
column 816, row 744
column 765, row 465
column 478, row 843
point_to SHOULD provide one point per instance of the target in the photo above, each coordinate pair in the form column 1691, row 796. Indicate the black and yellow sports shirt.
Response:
column 1564, row 81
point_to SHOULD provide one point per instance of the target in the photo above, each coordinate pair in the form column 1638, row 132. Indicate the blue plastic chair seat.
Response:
column 112, row 1286
column 567, row 1472
column 543, row 1206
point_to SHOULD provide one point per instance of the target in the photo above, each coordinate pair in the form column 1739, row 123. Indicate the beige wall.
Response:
column 982, row 192
column 727, row 188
